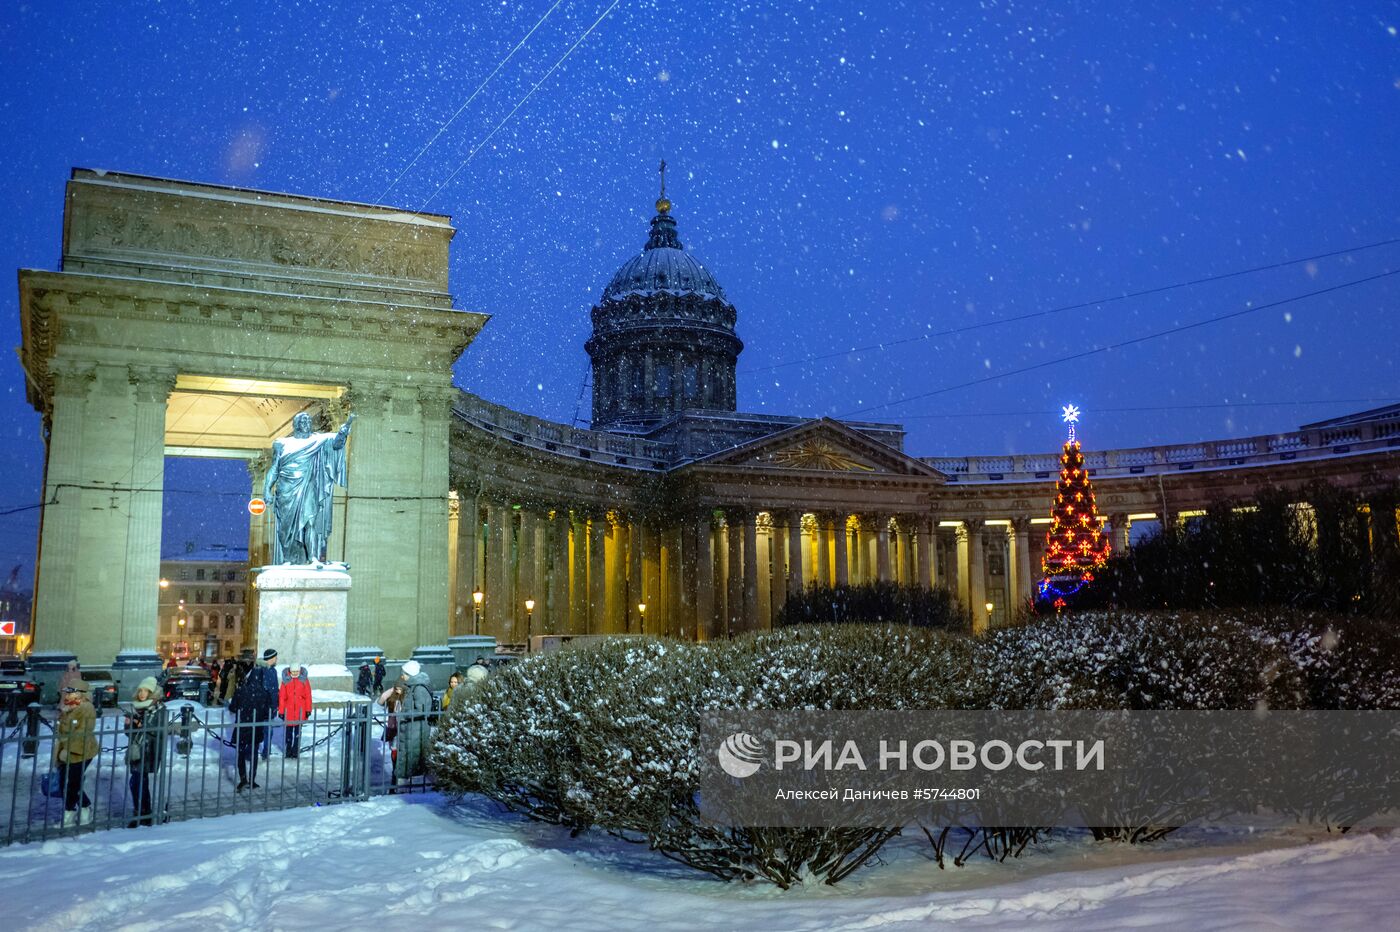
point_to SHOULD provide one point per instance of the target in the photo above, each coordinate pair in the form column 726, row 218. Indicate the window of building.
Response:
column 228, row 597
column 232, row 576
column 663, row 380
column 199, row 573
column 692, row 383
column 185, row 596
column 228, row 622
column 185, row 574
column 199, row 597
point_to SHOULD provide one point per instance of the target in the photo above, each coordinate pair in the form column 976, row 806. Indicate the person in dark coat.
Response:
column 411, row 743
column 253, row 705
column 364, row 685
column 145, row 748
column 378, row 674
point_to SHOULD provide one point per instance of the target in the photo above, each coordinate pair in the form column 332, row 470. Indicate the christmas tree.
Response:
column 1075, row 545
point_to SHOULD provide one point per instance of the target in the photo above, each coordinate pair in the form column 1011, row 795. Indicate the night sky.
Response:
column 852, row 173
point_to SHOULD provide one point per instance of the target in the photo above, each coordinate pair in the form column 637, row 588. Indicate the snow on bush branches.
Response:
column 606, row 736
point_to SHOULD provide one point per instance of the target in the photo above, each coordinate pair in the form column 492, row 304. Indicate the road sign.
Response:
column 7, row 629
column 256, row 506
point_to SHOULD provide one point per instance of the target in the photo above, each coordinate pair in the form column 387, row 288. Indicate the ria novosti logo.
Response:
column 740, row 755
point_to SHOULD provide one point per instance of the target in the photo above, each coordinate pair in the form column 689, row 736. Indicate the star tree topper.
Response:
column 1071, row 417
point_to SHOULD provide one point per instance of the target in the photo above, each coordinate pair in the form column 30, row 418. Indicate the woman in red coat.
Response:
column 294, row 705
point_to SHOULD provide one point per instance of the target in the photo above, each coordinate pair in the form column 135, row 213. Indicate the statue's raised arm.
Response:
column 344, row 432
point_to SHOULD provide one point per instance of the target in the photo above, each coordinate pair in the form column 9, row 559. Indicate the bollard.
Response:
column 183, row 743
column 30, row 746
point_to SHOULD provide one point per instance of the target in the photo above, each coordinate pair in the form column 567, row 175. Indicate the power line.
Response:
column 1122, row 343
column 466, row 103
column 1147, row 408
column 520, row 103
column 1099, row 302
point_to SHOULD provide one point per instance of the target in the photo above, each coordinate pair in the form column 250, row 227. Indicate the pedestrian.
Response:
column 391, row 699
column 253, row 705
column 364, row 685
column 378, row 673
column 294, row 705
column 230, row 682
column 145, row 748
column 412, row 740
column 74, row 746
column 71, row 674
column 453, row 682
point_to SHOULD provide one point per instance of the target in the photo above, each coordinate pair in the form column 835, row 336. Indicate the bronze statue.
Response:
column 306, row 468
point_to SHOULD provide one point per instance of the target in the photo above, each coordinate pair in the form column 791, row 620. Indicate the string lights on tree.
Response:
column 1075, row 545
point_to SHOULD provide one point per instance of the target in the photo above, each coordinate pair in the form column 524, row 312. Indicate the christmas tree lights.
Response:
column 1075, row 545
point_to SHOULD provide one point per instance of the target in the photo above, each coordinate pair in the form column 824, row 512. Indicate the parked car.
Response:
column 13, row 666
column 188, row 683
column 16, row 692
column 103, row 689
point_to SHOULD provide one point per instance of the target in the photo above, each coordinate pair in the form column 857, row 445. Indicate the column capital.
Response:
column 71, row 378
column 369, row 398
column 151, row 383
column 454, row 503
column 1021, row 525
column 436, row 400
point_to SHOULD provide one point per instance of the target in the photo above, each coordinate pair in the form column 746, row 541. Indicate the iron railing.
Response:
column 340, row 755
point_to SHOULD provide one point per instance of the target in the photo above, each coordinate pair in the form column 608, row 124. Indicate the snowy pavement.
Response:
column 468, row 865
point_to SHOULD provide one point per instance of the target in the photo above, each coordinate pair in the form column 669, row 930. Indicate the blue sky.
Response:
column 852, row 173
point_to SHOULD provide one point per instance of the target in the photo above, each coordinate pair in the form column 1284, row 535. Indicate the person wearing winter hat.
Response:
column 145, row 747
column 294, row 705
column 253, row 705
column 411, row 743
column 74, row 747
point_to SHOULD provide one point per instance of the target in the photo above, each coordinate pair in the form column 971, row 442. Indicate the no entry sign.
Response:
column 256, row 506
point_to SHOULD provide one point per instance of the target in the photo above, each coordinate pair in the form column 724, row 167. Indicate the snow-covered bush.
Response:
column 606, row 735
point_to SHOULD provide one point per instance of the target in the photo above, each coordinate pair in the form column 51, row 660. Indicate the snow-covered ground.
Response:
column 466, row 865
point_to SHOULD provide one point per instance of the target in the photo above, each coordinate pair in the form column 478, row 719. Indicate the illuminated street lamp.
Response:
column 529, row 617
column 990, row 606
column 477, row 596
column 642, row 616
column 164, row 583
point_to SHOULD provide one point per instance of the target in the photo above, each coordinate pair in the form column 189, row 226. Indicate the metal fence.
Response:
column 339, row 754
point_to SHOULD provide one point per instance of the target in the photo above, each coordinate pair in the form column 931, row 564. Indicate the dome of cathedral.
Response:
column 663, row 266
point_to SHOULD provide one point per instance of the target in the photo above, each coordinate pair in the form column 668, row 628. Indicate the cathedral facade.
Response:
column 196, row 320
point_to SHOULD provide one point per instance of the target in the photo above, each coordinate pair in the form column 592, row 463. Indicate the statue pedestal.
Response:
column 301, row 615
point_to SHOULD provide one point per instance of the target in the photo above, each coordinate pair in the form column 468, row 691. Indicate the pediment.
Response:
column 821, row 445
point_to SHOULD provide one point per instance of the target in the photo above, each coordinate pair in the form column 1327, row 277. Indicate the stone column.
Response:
column 927, row 528
column 141, row 573
column 751, row 614
column 651, row 576
column 707, row 626
column 259, row 551
column 530, row 585
column 964, row 559
column 905, row 541
column 617, row 559
column 792, row 521
column 558, row 600
column 840, row 543
column 821, row 537
column 435, row 409
column 597, row 574
column 468, row 543
column 1023, row 583
column 882, row 548
column 734, row 584
column 674, row 583
column 770, row 596
column 578, row 574
column 977, row 576
column 636, row 578
column 495, row 607
column 368, row 520
column 1120, row 527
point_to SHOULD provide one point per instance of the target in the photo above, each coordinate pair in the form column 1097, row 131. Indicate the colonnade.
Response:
column 716, row 574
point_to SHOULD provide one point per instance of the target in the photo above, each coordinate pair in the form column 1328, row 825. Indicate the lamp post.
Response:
column 529, row 618
column 477, row 596
column 642, row 617
column 164, row 583
column 990, row 606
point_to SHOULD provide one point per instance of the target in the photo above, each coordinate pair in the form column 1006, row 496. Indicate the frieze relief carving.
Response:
column 818, row 454
column 119, row 229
